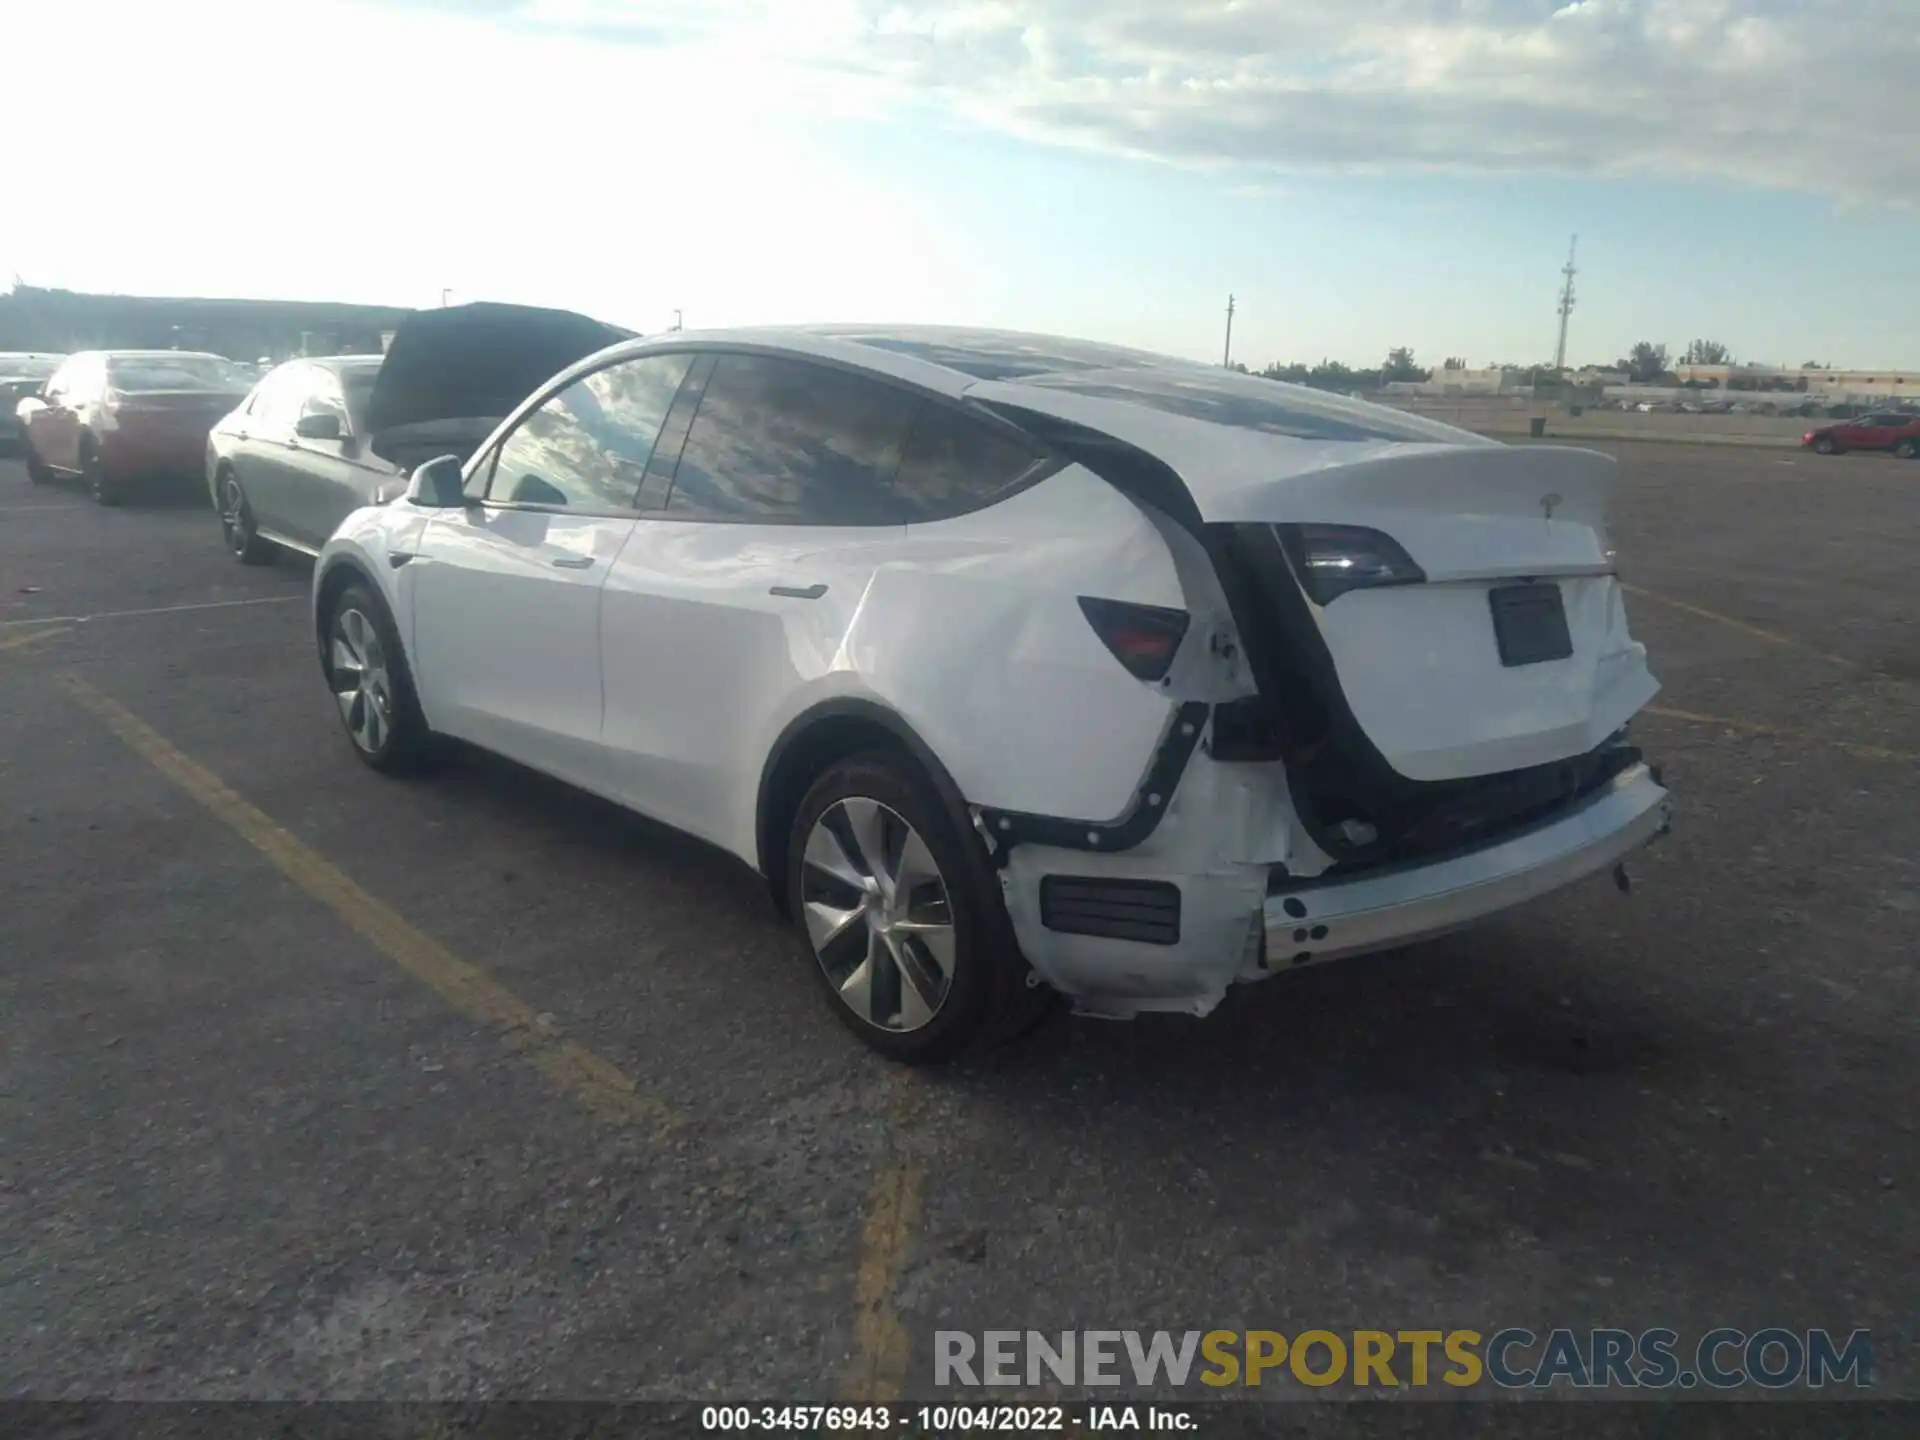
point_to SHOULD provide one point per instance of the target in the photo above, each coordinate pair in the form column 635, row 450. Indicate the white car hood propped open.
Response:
column 1419, row 664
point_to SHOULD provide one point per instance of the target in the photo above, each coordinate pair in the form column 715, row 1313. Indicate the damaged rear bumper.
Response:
column 1171, row 925
column 1326, row 920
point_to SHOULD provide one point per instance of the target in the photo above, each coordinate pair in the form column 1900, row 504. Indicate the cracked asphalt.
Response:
column 269, row 1129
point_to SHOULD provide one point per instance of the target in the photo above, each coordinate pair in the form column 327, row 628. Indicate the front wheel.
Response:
column 236, row 524
column 1907, row 449
column 372, row 686
column 902, row 920
column 1823, row 446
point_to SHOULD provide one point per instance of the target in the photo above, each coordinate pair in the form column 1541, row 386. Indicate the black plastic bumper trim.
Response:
column 1146, row 912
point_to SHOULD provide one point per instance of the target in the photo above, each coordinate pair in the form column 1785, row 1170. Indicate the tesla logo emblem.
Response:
column 1548, row 504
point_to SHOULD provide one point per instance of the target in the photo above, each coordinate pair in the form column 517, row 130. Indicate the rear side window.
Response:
column 787, row 442
column 955, row 463
column 587, row 447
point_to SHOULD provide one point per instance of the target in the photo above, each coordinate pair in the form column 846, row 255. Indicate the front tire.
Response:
column 1823, row 446
column 236, row 524
column 372, row 686
column 901, row 919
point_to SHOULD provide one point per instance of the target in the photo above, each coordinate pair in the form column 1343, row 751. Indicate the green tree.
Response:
column 1647, row 362
column 1455, row 362
column 1400, row 365
column 1708, row 352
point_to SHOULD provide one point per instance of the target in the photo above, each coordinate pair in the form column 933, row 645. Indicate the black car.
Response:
column 21, row 376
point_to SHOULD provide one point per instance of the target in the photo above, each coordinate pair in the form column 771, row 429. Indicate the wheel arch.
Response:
column 338, row 573
column 818, row 737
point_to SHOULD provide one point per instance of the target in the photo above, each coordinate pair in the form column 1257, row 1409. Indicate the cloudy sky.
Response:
column 1358, row 173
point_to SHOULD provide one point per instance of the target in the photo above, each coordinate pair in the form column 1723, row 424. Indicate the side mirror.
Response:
column 318, row 427
column 438, row 484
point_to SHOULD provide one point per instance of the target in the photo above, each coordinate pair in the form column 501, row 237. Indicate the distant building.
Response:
column 64, row 320
column 1494, row 380
column 1836, row 385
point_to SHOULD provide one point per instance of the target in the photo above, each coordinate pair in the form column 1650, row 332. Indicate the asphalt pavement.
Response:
column 317, row 1084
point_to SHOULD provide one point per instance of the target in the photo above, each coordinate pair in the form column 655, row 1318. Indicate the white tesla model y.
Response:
column 1020, row 666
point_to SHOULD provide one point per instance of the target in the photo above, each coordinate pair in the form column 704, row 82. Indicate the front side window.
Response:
column 324, row 398
column 276, row 404
column 587, row 447
column 786, row 442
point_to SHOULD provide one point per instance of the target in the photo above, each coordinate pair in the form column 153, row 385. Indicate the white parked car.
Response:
column 1020, row 665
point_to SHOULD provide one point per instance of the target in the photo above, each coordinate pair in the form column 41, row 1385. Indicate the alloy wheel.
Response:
column 878, row 915
column 360, row 681
column 235, row 523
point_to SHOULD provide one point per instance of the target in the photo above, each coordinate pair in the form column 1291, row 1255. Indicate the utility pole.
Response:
column 676, row 321
column 1566, row 308
column 444, row 293
column 1226, row 356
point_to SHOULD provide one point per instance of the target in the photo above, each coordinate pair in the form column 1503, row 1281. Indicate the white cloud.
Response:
column 379, row 153
column 1813, row 95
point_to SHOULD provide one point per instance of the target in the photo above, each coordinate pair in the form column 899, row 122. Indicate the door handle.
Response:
column 573, row 562
column 794, row 592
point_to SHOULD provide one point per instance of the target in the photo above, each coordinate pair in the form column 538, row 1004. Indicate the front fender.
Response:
column 376, row 544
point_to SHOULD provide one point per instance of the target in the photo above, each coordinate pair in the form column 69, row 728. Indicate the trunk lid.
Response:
column 1423, row 668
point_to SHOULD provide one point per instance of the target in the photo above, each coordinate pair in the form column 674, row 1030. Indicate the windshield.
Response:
column 28, row 367
column 178, row 372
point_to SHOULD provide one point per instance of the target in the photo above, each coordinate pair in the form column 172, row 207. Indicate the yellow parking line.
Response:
column 1870, row 752
column 32, row 637
column 880, row 1341
column 597, row 1084
column 1769, row 636
column 878, row 1372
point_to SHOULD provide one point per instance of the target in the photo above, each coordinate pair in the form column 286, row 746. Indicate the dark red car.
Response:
column 1895, row 430
column 113, row 417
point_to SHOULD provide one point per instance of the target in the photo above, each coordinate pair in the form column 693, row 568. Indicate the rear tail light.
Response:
column 1142, row 637
column 1333, row 559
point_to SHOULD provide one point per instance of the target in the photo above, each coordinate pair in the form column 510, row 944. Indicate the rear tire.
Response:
column 236, row 524
column 105, row 488
column 372, row 685
column 900, row 917
column 1907, row 449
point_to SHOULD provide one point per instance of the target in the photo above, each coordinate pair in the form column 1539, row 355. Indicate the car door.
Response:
column 260, row 455
column 1880, row 431
column 506, row 593
column 328, row 477
column 744, row 576
column 54, row 429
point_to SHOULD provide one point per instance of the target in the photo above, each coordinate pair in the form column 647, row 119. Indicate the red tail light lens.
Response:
column 1142, row 637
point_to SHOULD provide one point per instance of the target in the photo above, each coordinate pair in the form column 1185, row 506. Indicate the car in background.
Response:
column 319, row 438
column 23, row 375
column 1894, row 430
column 117, row 417
column 1020, row 666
